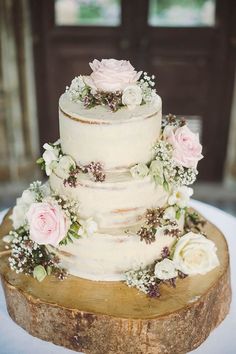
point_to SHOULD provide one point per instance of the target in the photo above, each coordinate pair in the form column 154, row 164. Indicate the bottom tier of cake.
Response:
column 108, row 317
column 107, row 257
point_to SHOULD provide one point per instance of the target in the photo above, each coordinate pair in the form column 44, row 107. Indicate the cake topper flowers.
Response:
column 113, row 83
column 111, row 75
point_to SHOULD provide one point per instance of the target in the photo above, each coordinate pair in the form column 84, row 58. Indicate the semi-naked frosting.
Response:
column 107, row 257
column 116, row 139
column 119, row 201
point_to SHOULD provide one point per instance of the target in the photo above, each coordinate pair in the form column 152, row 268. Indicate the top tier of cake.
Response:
column 118, row 140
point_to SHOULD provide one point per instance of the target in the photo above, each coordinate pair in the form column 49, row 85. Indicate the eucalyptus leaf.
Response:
column 39, row 273
column 178, row 214
column 166, row 186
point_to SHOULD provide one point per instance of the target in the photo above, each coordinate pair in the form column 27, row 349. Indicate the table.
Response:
column 14, row 340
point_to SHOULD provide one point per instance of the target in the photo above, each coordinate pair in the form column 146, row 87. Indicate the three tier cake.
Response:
column 115, row 207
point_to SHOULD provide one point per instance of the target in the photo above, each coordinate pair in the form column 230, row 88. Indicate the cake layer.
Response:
column 107, row 257
column 116, row 139
column 120, row 201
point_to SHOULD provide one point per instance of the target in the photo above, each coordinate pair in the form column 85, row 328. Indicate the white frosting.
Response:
column 107, row 257
column 118, row 140
column 120, row 201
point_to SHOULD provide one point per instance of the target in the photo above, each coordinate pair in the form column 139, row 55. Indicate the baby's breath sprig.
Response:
column 147, row 83
column 142, row 279
column 171, row 173
column 29, row 257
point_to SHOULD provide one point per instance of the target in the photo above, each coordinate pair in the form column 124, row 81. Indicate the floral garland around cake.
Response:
column 41, row 218
column 54, row 160
column 112, row 83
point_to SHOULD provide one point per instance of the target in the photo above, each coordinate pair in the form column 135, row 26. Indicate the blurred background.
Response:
column 189, row 45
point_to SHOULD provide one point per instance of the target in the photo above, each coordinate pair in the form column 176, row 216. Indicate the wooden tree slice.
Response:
column 109, row 317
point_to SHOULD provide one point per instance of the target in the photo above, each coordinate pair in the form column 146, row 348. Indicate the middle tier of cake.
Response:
column 119, row 201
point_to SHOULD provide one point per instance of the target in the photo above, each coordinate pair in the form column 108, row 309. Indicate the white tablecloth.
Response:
column 14, row 340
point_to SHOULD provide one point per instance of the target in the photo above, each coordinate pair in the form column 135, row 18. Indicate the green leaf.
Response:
column 178, row 214
column 166, row 186
column 39, row 273
column 158, row 180
column 40, row 161
column 75, row 227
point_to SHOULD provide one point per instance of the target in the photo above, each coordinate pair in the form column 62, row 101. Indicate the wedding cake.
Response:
column 115, row 205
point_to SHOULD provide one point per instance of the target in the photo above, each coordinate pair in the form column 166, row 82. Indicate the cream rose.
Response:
column 111, row 75
column 187, row 150
column 195, row 254
column 139, row 171
column 48, row 224
column 165, row 270
column 132, row 96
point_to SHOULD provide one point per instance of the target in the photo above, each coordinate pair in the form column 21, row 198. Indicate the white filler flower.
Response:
column 180, row 196
column 65, row 164
column 88, row 227
column 132, row 96
column 165, row 269
column 195, row 254
column 50, row 157
column 139, row 171
column 170, row 213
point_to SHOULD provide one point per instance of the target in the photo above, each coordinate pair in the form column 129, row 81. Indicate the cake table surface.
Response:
column 14, row 339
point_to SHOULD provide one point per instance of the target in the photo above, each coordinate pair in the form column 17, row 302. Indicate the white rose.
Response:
column 165, row 269
column 132, row 96
column 139, row 171
column 18, row 216
column 111, row 75
column 195, row 254
column 170, row 213
column 88, row 227
column 180, row 196
column 28, row 197
column 65, row 164
column 156, row 171
column 50, row 157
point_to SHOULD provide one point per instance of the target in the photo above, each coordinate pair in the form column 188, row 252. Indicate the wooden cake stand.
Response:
column 108, row 317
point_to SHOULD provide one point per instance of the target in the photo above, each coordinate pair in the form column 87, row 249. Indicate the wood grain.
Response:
column 109, row 317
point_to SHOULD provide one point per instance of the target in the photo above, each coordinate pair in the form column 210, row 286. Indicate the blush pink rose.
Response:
column 187, row 150
column 111, row 75
column 48, row 224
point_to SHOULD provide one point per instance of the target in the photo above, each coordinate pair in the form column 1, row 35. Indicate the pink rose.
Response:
column 111, row 75
column 187, row 150
column 48, row 224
